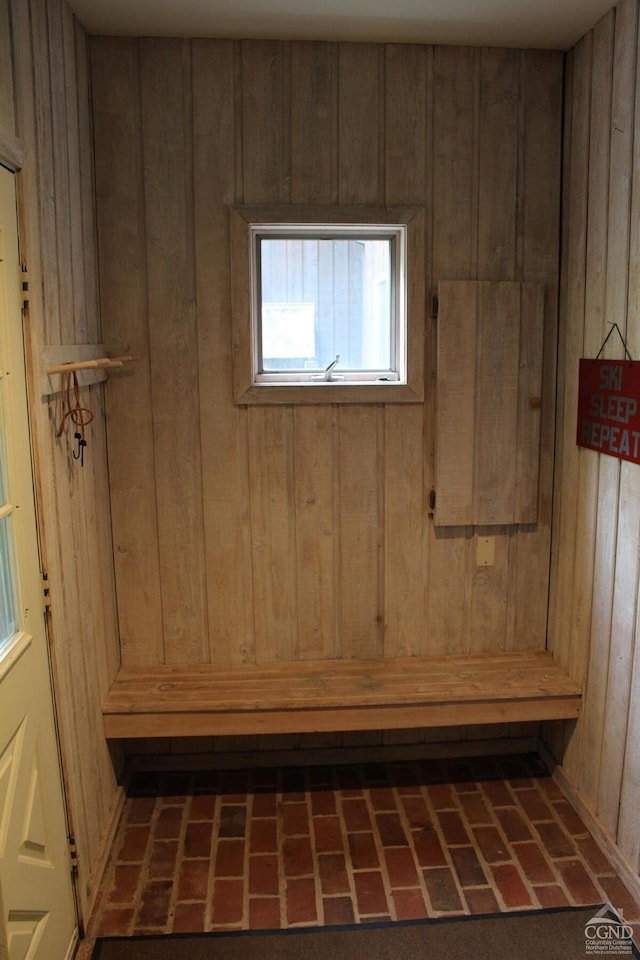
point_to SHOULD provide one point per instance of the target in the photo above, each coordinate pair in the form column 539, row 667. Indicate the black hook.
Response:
column 80, row 445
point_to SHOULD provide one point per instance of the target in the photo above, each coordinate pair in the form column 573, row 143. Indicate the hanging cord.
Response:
column 614, row 326
column 80, row 416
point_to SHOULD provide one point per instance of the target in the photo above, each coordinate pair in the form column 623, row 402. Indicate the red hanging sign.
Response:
column 609, row 408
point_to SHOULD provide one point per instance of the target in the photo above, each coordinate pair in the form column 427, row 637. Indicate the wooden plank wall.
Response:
column 594, row 620
column 278, row 533
column 44, row 102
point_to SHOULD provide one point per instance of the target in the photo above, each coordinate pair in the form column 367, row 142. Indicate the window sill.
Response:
column 262, row 394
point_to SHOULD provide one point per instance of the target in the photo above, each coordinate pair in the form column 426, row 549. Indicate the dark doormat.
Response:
column 561, row 934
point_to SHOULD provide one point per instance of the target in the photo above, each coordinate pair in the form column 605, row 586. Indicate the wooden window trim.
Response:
column 244, row 389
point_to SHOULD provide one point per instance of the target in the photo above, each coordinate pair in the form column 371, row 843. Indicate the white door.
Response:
column 38, row 909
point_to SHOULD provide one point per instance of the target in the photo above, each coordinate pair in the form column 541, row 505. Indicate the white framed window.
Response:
column 328, row 304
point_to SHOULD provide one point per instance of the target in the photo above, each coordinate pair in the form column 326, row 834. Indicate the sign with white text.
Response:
column 609, row 408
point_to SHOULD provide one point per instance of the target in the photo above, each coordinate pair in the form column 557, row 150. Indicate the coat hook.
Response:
column 78, row 453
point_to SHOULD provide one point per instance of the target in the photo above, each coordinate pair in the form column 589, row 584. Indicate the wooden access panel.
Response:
column 489, row 385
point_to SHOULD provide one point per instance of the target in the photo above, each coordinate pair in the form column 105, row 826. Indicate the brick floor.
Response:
column 277, row 848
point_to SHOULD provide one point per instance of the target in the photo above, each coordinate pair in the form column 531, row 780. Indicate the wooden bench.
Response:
column 338, row 695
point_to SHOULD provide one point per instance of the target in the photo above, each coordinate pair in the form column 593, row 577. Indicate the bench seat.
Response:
column 338, row 695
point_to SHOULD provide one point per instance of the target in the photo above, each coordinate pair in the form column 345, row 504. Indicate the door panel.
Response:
column 39, row 916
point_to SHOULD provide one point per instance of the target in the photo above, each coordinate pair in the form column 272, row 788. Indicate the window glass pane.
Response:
column 322, row 298
column 8, row 621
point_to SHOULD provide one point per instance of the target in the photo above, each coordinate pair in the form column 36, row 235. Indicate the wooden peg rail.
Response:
column 103, row 362
column 88, row 360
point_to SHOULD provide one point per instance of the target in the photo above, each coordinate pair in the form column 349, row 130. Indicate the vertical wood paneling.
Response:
column 629, row 815
column 80, row 599
column 42, row 101
column 595, row 331
column 100, row 575
column 87, row 321
column 608, row 493
column 628, row 836
column 88, row 315
column 74, row 265
column 58, row 244
column 273, row 533
column 7, row 111
column 429, row 356
column 531, row 346
column 498, row 174
column 265, row 104
column 542, row 86
column 167, row 149
column 407, row 101
column 404, row 522
column 314, row 91
column 553, row 733
column 496, row 378
column 405, row 124
column 542, row 109
column 123, row 294
column 314, row 533
column 595, row 586
column 623, row 632
column 490, row 343
column 456, row 428
column 223, row 437
column 454, row 257
column 89, row 591
column 265, row 165
column 80, row 657
column 575, row 209
column 315, row 431
column 498, row 163
column 576, row 204
column 314, row 179
column 64, row 214
column 625, row 588
column 359, row 533
column 454, row 158
column 496, row 413
column 360, row 479
column 358, row 123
